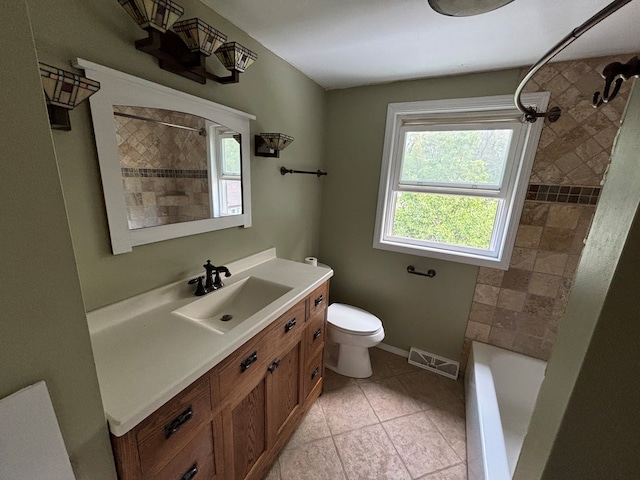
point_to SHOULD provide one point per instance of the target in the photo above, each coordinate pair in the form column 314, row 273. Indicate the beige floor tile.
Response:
column 389, row 399
column 458, row 472
column 456, row 386
column 379, row 365
column 420, row 445
column 347, row 409
column 334, row 381
column 312, row 427
column 452, row 426
column 274, row 473
column 429, row 390
column 317, row 460
column 396, row 363
column 368, row 454
column 429, row 444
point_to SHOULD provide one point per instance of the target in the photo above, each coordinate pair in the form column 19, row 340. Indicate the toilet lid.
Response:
column 353, row 319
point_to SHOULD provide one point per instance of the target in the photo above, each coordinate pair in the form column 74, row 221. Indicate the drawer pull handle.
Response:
column 274, row 365
column 319, row 300
column 289, row 326
column 248, row 361
column 189, row 474
column 315, row 373
column 317, row 334
column 178, row 422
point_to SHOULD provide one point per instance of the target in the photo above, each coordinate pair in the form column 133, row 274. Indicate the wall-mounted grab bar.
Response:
column 284, row 171
column 430, row 273
column 530, row 113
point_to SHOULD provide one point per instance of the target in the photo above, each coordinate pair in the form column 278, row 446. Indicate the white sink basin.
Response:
column 226, row 308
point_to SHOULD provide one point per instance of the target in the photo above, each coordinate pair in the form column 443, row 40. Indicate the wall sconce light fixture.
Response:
column 64, row 90
column 270, row 144
column 185, row 50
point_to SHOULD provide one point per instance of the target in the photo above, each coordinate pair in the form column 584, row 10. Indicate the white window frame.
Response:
column 456, row 114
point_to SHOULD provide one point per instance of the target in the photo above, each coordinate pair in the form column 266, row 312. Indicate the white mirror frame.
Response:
column 119, row 88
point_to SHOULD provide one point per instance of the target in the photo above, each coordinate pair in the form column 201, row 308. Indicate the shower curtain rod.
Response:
column 201, row 131
column 530, row 113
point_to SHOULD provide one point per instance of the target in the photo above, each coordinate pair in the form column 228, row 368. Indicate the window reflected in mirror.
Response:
column 176, row 167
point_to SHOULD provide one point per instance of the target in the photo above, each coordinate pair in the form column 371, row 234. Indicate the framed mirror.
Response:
column 172, row 164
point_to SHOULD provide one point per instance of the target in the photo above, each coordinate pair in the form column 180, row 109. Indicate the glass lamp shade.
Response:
column 466, row 8
column 158, row 14
column 277, row 141
column 235, row 57
column 199, row 36
column 65, row 89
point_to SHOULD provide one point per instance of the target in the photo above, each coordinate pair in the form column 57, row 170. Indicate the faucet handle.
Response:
column 199, row 288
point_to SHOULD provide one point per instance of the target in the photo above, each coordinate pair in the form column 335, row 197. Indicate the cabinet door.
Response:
column 285, row 391
column 245, row 432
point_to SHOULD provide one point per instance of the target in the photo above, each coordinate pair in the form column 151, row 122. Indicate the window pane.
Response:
column 449, row 219
column 230, row 156
column 231, row 197
column 468, row 157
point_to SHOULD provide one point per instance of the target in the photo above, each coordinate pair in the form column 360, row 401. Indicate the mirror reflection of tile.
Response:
column 164, row 168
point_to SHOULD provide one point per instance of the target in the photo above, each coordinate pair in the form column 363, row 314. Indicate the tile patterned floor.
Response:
column 401, row 423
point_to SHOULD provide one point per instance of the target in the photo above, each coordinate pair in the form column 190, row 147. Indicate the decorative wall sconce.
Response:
column 270, row 144
column 185, row 50
column 64, row 90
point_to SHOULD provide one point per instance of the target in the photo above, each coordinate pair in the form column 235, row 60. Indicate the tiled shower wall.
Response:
column 164, row 169
column 519, row 309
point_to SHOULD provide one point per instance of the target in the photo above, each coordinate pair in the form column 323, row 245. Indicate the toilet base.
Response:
column 349, row 361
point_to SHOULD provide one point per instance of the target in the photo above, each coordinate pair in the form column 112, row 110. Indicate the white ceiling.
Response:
column 346, row 43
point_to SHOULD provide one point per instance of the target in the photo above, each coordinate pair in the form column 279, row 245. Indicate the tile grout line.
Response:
column 381, row 423
column 344, row 470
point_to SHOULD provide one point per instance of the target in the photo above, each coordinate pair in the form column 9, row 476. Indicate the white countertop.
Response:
column 145, row 354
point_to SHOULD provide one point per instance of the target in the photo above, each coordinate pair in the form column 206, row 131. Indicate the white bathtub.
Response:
column 501, row 391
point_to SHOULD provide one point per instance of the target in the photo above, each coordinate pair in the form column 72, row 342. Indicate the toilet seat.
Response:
column 353, row 320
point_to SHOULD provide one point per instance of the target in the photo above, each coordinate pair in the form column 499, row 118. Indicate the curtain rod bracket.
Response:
column 530, row 113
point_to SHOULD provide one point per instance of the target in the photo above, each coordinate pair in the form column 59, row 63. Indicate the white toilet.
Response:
column 351, row 331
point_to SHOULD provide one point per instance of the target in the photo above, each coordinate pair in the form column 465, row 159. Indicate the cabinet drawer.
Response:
column 172, row 426
column 286, row 330
column 318, row 300
column 243, row 368
column 313, row 372
column 195, row 461
column 314, row 335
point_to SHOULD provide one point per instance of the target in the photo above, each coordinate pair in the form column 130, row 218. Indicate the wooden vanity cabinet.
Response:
column 231, row 423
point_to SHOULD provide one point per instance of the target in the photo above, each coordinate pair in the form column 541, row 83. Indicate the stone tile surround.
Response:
column 519, row 309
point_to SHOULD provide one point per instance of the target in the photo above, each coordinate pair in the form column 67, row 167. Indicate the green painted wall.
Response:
column 586, row 423
column 416, row 311
column 52, row 258
column 43, row 329
column 286, row 210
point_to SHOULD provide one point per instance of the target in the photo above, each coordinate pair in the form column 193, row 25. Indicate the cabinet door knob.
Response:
column 317, row 333
column 246, row 363
column 289, row 326
column 319, row 300
column 274, row 365
column 315, row 373
column 191, row 473
column 178, row 422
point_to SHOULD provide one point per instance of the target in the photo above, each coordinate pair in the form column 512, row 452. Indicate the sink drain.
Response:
column 226, row 318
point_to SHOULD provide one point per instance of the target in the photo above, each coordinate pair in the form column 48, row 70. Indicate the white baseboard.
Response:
column 392, row 349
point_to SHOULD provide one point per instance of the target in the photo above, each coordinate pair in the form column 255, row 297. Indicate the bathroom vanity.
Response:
column 187, row 397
